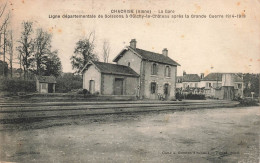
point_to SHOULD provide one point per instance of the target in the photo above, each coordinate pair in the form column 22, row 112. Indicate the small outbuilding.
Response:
column 45, row 84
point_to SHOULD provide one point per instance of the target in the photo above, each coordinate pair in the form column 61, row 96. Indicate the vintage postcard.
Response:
column 129, row 81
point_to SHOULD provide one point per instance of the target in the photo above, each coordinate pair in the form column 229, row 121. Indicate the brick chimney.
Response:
column 184, row 73
column 133, row 43
column 165, row 52
column 201, row 75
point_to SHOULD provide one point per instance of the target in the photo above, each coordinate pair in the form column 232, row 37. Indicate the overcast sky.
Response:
column 199, row 45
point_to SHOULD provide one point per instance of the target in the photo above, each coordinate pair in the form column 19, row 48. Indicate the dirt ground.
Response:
column 203, row 135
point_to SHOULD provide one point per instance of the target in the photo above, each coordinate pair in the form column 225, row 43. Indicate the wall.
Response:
column 213, row 83
column 191, row 84
column 130, row 84
column 160, row 79
column 135, row 61
column 92, row 74
column 228, row 80
column 41, row 86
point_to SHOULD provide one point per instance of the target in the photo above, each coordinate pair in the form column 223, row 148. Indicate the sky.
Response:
column 199, row 45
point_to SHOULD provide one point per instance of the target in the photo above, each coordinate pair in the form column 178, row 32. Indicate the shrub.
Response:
column 190, row 96
column 68, row 82
column 14, row 86
column 85, row 92
column 248, row 102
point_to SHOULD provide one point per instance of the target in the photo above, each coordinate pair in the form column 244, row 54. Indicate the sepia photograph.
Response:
column 129, row 81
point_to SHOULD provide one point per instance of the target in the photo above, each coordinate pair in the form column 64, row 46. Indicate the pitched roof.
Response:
column 218, row 77
column 213, row 77
column 109, row 68
column 191, row 78
column 150, row 56
column 46, row 79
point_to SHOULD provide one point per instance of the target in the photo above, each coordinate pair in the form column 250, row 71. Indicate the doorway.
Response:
column 118, row 86
column 166, row 90
column 92, row 86
column 50, row 87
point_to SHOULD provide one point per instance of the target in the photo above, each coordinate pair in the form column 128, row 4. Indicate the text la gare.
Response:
column 166, row 11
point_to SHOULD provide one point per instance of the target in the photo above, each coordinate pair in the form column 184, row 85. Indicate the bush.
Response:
column 248, row 102
column 14, row 86
column 68, row 82
column 179, row 96
column 190, row 96
column 195, row 96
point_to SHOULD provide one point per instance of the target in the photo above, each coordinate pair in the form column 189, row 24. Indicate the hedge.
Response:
column 14, row 85
column 190, row 96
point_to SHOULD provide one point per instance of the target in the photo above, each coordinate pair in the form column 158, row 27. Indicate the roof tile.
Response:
column 109, row 68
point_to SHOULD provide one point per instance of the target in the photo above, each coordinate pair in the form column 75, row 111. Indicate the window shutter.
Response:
column 165, row 71
column 156, row 69
column 169, row 90
column 169, row 72
column 156, row 88
column 152, row 69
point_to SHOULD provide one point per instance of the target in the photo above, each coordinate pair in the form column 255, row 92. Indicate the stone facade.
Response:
column 140, row 73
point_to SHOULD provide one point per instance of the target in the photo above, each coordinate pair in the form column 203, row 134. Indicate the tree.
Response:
column 4, row 19
column 53, row 65
column 251, row 84
column 106, row 50
column 25, row 48
column 3, row 68
column 83, row 53
column 42, row 48
column 10, row 50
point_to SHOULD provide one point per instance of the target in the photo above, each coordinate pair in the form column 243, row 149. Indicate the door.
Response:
column 166, row 90
column 92, row 86
column 118, row 86
column 50, row 88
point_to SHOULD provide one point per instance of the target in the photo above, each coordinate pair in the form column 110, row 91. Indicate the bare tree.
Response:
column 9, row 41
column 3, row 31
column 106, row 50
column 5, row 20
column 25, row 48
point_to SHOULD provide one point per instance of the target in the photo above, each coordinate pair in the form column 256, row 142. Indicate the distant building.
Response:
column 214, row 85
column 45, row 84
column 189, row 83
column 222, row 85
column 137, row 72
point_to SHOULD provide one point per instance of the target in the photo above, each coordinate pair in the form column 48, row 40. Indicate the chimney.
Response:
column 201, row 75
column 165, row 52
column 133, row 43
column 184, row 73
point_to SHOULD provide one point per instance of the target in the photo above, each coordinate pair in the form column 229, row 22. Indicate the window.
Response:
column 153, row 87
column 44, row 86
column 154, row 69
column 208, row 85
column 196, row 85
column 239, row 86
column 128, row 64
column 167, row 71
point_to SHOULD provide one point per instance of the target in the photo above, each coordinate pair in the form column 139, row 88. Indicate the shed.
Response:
column 45, row 84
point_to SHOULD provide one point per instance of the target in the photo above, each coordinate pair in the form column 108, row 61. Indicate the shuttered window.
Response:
column 154, row 69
